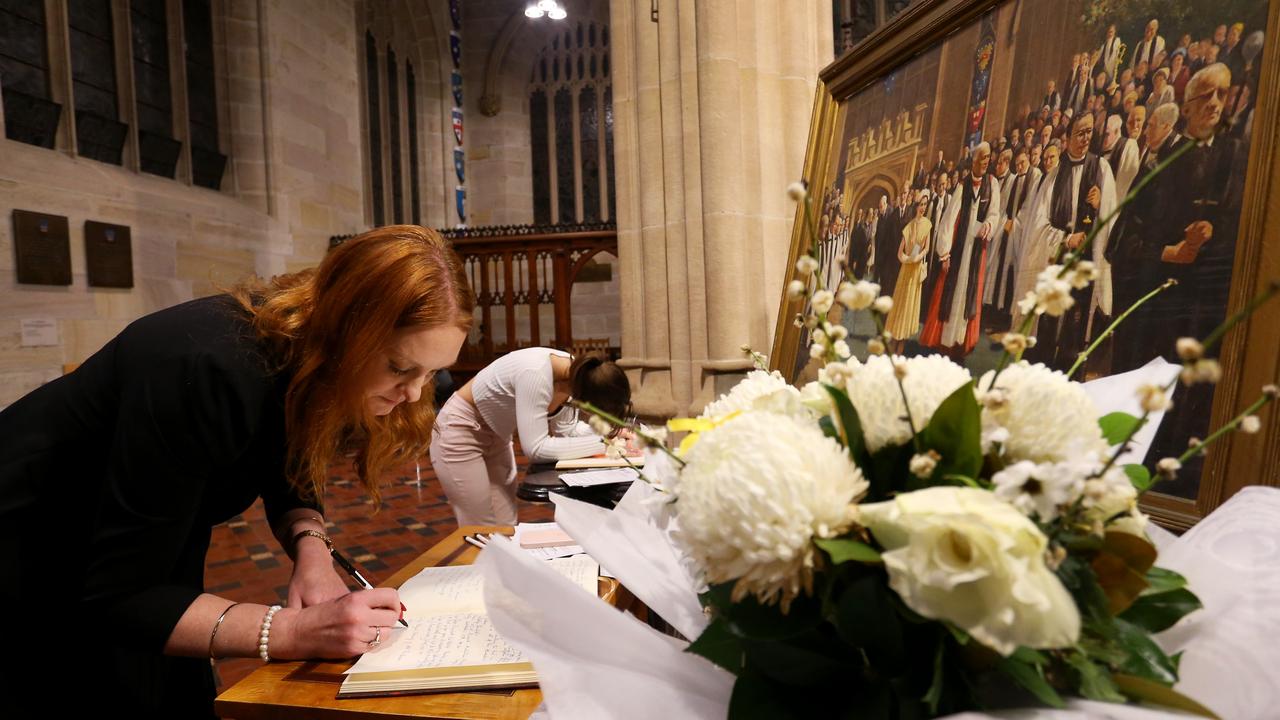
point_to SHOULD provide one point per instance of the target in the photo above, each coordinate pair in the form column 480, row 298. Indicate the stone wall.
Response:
column 291, row 114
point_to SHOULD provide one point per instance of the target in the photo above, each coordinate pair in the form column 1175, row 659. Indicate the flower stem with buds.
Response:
column 1072, row 257
column 1272, row 288
column 619, row 423
column 1116, row 323
column 1236, row 318
column 1226, row 428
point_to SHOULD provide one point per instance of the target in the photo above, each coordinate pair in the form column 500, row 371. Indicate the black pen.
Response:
column 353, row 572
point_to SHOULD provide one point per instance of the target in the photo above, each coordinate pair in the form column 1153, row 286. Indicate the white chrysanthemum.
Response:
column 758, row 391
column 1049, row 418
column 754, row 494
column 874, row 391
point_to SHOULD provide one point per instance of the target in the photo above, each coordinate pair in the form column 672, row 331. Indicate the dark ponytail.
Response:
column 595, row 380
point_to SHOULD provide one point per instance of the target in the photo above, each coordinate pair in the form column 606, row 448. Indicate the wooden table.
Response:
column 289, row 690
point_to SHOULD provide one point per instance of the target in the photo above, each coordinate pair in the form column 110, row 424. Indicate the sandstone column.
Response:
column 711, row 108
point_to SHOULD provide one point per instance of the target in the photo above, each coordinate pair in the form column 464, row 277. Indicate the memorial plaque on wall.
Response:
column 42, row 247
column 108, row 255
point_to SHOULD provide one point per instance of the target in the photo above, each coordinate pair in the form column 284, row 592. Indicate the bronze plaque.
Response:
column 42, row 247
column 108, row 255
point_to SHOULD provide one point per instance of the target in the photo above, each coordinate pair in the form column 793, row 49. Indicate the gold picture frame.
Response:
column 1250, row 354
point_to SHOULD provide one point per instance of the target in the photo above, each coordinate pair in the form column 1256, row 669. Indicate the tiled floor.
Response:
column 246, row 564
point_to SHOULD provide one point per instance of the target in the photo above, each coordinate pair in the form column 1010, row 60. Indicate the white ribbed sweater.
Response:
column 512, row 394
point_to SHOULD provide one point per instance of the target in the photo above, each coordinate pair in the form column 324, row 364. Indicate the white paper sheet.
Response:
column 591, row 478
column 593, row 661
column 1119, row 393
column 629, row 542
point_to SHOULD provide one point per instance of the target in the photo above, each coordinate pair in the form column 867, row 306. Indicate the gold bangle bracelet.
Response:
column 313, row 533
column 217, row 625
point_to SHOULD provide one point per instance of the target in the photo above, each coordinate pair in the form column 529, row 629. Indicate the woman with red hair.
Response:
column 112, row 477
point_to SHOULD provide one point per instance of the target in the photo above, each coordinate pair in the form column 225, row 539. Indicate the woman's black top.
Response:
column 111, row 478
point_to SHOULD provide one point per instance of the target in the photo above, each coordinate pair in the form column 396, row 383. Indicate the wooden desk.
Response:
column 294, row 690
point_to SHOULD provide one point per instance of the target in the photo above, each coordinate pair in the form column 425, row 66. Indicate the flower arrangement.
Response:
column 899, row 539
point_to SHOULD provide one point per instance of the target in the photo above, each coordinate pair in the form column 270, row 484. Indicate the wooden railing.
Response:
column 515, row 270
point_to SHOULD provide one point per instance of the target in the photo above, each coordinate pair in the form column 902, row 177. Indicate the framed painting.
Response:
column 955, row 149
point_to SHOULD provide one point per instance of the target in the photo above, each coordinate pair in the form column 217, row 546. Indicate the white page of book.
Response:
column 447, row 622
column 591, row 478
column 440, row 641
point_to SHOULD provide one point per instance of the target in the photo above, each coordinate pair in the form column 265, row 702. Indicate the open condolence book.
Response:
column 450, row 643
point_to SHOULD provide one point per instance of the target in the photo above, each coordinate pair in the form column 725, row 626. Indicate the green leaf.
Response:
column 1161, row 611
column 829, row 427
column 850, row 427
column 1151, row 692
column 757, row 697
column 889, row 474
column 1118, row 426
column 1029, row 677
column 866, row 618
column 813, row 659
column 1160, row 580
column 1095, row 681
column 1079, row 579
column 748, row 619
column 1030, row 657
column 1146, row 659
column 844, row 550
column 955, row 433
column 719, row 645
column 1139, row 476
column 934, row 695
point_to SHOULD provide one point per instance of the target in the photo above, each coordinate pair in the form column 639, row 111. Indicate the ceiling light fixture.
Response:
column 547, row 8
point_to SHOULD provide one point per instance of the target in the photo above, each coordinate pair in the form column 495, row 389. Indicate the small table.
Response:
column 309, row 689
column 542, row 479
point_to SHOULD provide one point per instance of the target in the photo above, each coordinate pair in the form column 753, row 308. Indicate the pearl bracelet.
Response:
column 264, row 636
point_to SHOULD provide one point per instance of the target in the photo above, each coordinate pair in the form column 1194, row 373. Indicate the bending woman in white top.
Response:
column 525, row 392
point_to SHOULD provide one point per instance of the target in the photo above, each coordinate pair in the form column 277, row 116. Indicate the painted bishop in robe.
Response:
column 1077, row 195
column 955, row 297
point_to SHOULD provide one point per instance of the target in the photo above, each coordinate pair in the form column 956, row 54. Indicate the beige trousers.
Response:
column 476, row 466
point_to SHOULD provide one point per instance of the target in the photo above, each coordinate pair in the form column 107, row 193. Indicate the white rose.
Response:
column 964, row 556
column 816, row 398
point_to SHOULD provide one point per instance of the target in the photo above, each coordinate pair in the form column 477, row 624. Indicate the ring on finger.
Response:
column 377, row 638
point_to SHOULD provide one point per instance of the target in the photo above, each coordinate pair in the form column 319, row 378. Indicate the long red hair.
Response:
column 327, row 326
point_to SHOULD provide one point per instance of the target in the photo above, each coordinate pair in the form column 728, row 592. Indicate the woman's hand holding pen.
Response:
column 351, row 625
